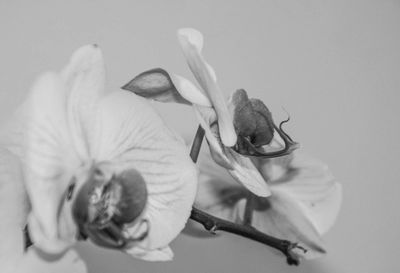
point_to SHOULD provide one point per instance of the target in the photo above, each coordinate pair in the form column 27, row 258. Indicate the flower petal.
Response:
column 191, row 42
column 218, row 192
column 84, row 78
column 34, row 261
column 132, row 135
column 207, row 116
column 13, row 210
column 57, row 138
column 160, row 254
column 48, row 160
column 310, row 182
column 243, row 171
column 189, row 91
column 159, row 85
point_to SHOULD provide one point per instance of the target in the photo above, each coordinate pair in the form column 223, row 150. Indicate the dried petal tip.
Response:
column 155, row 84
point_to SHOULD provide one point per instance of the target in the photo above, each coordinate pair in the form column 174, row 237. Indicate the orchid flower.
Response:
column 303, row 205
column 99, row 165
column 14, row 209
column 286, row 195
column 220, row 119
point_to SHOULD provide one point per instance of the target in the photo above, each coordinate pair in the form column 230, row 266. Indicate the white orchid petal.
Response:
column 132, row 135
column 191, row 35
column 189, row 91
column 311, row 182
column 84, row 78
column 246, row 173
column 13, row 211
column 48, row 159
column 205, row 117
column 218, row 192
column 283, row 218
column 33, row 261
column 243, row 171
column 191, row 43
column 157, row 255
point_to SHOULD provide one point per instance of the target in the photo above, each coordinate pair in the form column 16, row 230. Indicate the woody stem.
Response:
column 213, row 224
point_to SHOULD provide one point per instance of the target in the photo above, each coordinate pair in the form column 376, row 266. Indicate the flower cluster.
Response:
column 286, row 194
column 78, row 162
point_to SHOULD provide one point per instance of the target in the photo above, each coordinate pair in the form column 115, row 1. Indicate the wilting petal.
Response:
column 33, row 261
column 310, row 182
column 13, row 211
column 157, row 84
column 132, row 135
column 191, row 42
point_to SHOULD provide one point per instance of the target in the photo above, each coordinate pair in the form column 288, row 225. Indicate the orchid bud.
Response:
column 252, row 119
column 106, row 202
column 255, row 127
column 264, row 132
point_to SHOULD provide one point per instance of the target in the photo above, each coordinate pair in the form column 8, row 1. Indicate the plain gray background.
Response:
column 334, row 65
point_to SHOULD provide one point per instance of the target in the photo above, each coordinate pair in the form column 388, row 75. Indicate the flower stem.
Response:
column 197, row 141
column 248, row 211
column 213, row 224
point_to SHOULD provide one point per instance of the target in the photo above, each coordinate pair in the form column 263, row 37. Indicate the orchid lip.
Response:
column 105, row 203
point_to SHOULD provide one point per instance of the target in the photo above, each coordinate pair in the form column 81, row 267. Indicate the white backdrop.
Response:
column 334, row 65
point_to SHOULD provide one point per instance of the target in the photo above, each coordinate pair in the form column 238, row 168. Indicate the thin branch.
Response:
column 213, row 224
column 196, row 146
column 249, row 209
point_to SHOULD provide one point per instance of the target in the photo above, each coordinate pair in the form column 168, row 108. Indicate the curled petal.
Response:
column 191, row 42
column 132, row 135
column 157, row 84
